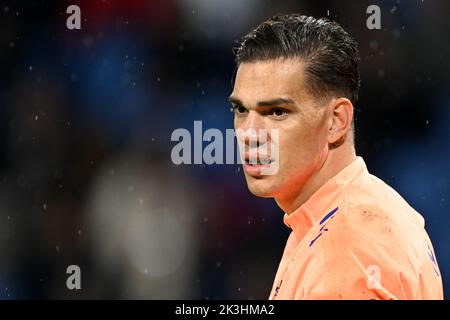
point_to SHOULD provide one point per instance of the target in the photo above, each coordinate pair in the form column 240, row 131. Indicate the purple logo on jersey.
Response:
column 323, row 229
column 433, row 260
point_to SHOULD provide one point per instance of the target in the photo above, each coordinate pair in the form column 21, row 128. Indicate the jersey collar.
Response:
column 324, row 201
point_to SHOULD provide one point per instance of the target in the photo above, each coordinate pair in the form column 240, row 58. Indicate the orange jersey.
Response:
column 357, row 238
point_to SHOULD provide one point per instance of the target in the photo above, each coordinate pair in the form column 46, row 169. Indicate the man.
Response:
column 353, row 236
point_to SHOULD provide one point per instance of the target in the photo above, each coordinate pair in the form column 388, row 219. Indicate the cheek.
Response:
column 236, row 122
column 301, row 145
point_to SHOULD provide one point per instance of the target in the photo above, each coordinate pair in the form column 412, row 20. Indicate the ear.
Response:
column 341, row 121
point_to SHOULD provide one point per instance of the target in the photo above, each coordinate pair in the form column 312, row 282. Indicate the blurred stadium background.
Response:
column 86, row 117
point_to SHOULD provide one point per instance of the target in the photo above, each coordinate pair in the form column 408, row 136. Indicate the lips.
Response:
column 254, row 164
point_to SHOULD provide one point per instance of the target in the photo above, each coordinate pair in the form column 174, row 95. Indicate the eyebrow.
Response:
column 268, row 103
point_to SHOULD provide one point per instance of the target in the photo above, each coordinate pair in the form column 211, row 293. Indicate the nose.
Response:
column 252, row 132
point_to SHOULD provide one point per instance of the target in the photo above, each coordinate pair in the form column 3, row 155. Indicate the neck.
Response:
column 335, row 161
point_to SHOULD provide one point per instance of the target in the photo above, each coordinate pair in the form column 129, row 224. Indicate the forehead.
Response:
column 266, row 79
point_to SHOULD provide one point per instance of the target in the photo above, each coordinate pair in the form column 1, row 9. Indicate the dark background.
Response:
column 86, row 118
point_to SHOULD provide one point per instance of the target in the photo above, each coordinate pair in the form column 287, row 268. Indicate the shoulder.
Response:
column 372, row 206
column 374, row 220
column 374, row 230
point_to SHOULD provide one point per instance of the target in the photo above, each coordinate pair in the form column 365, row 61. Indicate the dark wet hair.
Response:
column 328, row 51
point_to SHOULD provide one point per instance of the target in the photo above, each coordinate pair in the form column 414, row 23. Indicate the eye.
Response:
column 238, row 109
column 278, row 112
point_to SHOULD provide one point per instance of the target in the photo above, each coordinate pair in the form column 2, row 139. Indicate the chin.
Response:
column 261, row 187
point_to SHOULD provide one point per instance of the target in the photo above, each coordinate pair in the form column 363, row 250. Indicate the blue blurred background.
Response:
column 86, row 118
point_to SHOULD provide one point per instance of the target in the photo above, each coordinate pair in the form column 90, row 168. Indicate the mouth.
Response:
column 255, row 166
column 258, row 162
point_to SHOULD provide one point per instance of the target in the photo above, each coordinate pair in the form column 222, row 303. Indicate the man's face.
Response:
column 273, row 95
